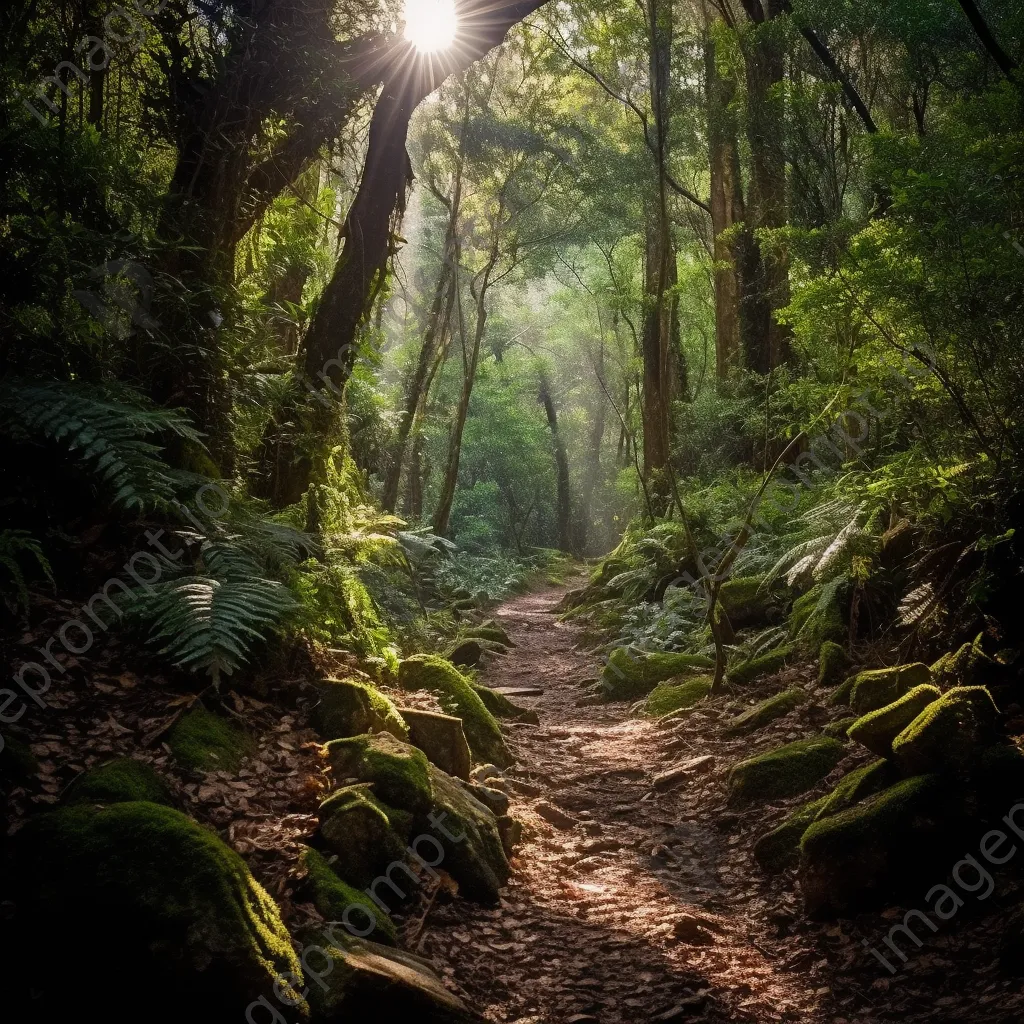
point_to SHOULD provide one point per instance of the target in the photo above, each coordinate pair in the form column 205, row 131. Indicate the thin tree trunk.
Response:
column 1005, row 62
column 563, row 500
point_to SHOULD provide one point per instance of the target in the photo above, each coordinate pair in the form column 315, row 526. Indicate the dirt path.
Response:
column 626, row 904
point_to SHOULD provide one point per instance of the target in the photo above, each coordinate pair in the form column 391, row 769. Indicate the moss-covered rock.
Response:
column 465, row 653
column 838, row 728
column 949, row 733
column 832, row 663
column 332, row 897
column 968, row 665
column 500, row 706
column 404, row 780
column 441, row 738
column 767, row 711
column 786, row 771
column 366, row 981
column 168, row 914
column 629, row 675
column 205, row 742
column 817, row 617
column 358, row 831
column 348, row 707
column 858, row 785
column 490, row 630
column 747, row 600
column 872, row 851
column 877, row 729
column 840, row 696
column 120, row 781
column 458, row 697
column 668, row 697
column 777, row 850
column 879, row 687
column 762, row 665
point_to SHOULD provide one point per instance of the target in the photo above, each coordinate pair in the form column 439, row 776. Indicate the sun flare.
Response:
column 430, row 24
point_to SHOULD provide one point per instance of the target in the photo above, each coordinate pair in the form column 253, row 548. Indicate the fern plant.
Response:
column 110, row 435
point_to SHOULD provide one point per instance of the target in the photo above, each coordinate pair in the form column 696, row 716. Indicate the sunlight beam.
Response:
column 430, row 25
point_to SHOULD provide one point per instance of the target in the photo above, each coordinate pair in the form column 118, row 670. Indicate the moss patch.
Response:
column 349, row 707
column 840, row 696
column 858, row 785
column 877, row 729
column 747, row 600
column 668, row 697
column 162, row 899
column 813, row 624
column 767, row 711
column 489, row 631
column 333, row 897
column 358, row 831
column 458, row 697
column 950, row 732
column 963, row 667
column 499, row 705
column 629, row 675
column 118, row 782
column 878, row 687
column 762, row 665
column 204, row 742
column 399, row 772
column 786, row 771
column 832, row 663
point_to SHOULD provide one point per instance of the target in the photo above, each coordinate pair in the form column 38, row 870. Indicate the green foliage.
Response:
column 15, row 544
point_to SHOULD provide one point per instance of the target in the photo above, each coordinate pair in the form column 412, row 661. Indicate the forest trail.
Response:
column 626, row 904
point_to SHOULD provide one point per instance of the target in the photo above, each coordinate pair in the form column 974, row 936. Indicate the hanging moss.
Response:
column 163, row 903
column 205, row 742
column 119, row 781
column 668, row 697
column 767, row 711
column 629, row 675
column 762, row 665
column 877, row 729
column 786, row 771
column 332, row 897
column 458, row 697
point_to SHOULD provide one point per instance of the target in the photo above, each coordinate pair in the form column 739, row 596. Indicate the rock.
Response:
column 336, row 900
column 554, row 815
column 441, row 738
column 482, row 772
column 437, row 804
column 877, row 729
column 879, row 849
column 878, row 687
column 498, row 704
column 204, row 742
column 120, row 781
column 630, row 674
column 348, row 707
column 839, row 728
column 832, row 663
column 511, row 832
column 762, row 665
column 466, row 653
column 459, row 698
column 668, row 697
column 857, row 785
column 519, row 691
column 593, row 846
column 497, row 801
column 950, row 732
column 167, row 912
column 966, row 666
column 749, row 601
column 786, row 771
column 681, row 772
column 361, row 834
column 777, row 850
column 692, row 931
column 368, row 981
column 490, row 630
column 767, row 711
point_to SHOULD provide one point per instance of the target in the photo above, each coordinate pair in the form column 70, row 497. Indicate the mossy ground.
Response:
column 767, row 711
column 458, row 697
column 205, row 742
column 786, row 771
column 122, row 780
column 332, row 897
column 668, row 697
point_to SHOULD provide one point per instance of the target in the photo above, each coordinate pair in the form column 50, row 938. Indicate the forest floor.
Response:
column 636, row 898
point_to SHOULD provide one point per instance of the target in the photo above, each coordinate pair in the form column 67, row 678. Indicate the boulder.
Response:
column 748, row 601
column 336, row 900
column 786, row 771
column 204, row 742
column 878, row 687
column 490, row 630
column 465, row 653
column 762, row 665
column 767, row 711
column 950, row 733
column 499, row 704
column 369, row 981
column 832, row 663
column 120, row 781
column 400, row 773
column 677, row 696
column 360, row 833
column 458, row 697
column 348, row 707
column 495, row 799
column 441, row 738
column 629, row 674
column 966, row 666
column 839, row 728
column 167, row 913
column 877, row 729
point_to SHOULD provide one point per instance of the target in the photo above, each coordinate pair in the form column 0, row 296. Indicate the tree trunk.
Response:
column 592, row 471
column 561, row 466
